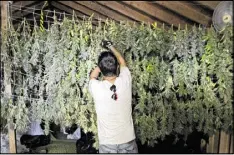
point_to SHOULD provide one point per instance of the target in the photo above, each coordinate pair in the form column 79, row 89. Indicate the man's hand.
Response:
column 95, row 73
column 106, row 44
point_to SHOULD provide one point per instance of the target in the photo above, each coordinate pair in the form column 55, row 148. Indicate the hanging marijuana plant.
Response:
column 182, row 80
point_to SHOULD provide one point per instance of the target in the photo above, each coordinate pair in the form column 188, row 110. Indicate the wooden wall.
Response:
column 220, row 142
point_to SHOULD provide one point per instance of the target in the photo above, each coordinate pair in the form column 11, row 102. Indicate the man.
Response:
column 113, row 103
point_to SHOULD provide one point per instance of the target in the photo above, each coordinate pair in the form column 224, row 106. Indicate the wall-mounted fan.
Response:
column 223, row 15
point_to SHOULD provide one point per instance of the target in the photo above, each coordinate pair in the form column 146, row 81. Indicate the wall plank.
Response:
column 213, row 144
column 7, row 82
column 231, row 144
column 224, row 142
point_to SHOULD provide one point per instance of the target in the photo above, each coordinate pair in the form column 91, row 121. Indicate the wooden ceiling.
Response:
column 178, row 13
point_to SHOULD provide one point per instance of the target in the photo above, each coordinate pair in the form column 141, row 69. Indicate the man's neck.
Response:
column 111, row 79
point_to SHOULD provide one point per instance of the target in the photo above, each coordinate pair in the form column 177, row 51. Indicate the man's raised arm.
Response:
column 109, row 45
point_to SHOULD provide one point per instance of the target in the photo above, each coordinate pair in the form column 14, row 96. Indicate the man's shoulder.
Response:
column 94, row 85
column 123, row 67
column 124, row 71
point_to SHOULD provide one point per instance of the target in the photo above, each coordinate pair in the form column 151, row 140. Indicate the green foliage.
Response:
column 182, row 80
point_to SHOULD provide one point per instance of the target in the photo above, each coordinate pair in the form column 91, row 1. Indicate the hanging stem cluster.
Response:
column 182, row 80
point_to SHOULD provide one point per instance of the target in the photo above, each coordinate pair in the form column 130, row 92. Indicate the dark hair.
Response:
column 107, row 62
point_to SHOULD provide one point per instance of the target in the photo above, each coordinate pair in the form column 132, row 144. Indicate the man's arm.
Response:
column 94, row 74
column 109, row 45
column 119, row 57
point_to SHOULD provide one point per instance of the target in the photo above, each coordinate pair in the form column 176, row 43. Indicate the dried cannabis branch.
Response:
column 181, row 80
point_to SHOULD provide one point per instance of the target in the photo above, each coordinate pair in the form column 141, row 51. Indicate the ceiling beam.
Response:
column 199, row 8
column 21, row 4
column 67, row 9
column 24, row 3
column 128, row 12
column 83, row 9
column 58, row 12
column 79, row 15
column 159, row 13
column 186, row 10
column 24, row 13
column 210, row 4
column 70, row 14
column 108, row 12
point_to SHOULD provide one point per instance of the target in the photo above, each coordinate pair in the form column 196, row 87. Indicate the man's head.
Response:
column 108, row 64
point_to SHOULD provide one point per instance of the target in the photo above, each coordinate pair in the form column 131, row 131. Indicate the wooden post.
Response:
column 7, row 82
